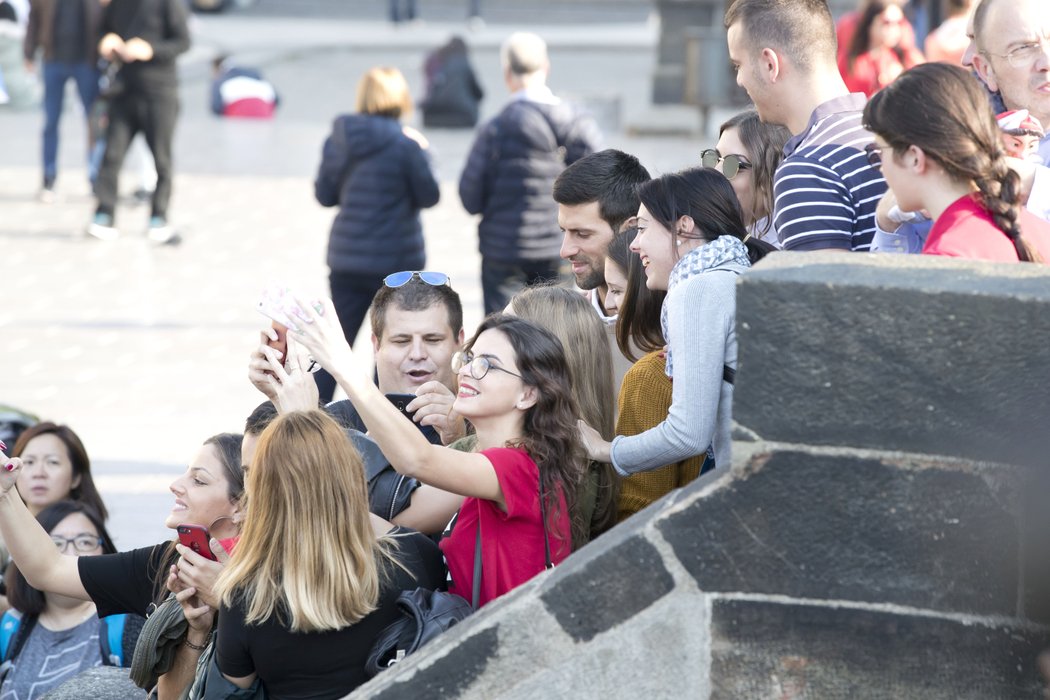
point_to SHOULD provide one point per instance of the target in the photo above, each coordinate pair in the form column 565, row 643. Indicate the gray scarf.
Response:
column 722, row 250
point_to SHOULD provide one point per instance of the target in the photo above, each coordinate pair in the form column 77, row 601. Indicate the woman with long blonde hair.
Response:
column 315, row 576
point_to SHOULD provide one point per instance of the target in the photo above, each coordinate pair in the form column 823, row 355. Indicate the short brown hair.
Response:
column 384, row 92
column 801, row 29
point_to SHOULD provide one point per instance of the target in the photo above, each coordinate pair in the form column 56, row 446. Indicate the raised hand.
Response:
column 197, row 572
column 322, row 336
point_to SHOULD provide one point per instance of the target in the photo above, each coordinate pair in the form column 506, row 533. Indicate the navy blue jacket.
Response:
column 380, row 179
column 510, row 173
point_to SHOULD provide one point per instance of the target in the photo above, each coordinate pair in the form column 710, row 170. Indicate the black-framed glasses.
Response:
column 400, row 279
column 873, row 152
column 731, row 164
column 83, row 542
column 478, row 366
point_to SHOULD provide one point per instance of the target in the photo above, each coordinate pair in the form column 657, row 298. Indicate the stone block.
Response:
column 609, row 589
column 764, row 649
column 810, row 525
column 913, row 353
column 452, row 675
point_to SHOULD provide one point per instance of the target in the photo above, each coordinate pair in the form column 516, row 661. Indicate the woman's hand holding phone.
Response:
column 323, row 338
column 9, row 469
column 198, row 572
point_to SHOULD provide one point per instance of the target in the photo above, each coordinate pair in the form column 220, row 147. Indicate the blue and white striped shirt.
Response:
column 825, row 191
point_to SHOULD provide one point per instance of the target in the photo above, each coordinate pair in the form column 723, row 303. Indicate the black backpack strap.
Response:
column 475, row 594
column 728, row 374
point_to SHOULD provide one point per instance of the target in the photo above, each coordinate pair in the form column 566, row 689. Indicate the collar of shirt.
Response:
column 853, row 102
column 536, row 93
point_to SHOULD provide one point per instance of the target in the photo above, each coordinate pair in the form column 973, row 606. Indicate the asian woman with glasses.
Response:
column 515, row 389
column 748, row 153
column 47, row 638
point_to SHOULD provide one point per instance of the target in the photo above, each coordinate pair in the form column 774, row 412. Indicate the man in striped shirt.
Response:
column 825, row 191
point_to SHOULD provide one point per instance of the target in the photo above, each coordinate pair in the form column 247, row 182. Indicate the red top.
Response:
column 966, row 230
column 512, row 548
column 871, row 72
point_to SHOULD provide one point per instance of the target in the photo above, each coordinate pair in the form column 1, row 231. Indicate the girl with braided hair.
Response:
column 940, row 149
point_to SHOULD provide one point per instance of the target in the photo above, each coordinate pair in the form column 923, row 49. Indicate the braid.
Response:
column 1000, row 192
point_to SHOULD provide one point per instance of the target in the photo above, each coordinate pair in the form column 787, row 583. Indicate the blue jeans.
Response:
column 502, row 280
column 56, row 74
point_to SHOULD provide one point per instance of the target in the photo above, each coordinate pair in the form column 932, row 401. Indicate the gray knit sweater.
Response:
column 702, row 327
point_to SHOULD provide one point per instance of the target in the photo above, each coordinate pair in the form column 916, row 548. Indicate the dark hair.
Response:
column 705, row 195
column 550, row 434
column 85, row 490
column 31, row 601
column 416, row 295
column 942, row 110
column 765, row 149
column 638, row 318
column 228, row 447
column 609, row 177
column 802, row 29
column 260, row 418
column 861, row 42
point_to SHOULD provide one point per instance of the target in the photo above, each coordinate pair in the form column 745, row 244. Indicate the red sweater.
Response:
column 966, row 230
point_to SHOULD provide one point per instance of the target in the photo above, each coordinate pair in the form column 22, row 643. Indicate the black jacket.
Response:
column 380, row 179
column 162, row 24
column 510, row 173
column 453, row 93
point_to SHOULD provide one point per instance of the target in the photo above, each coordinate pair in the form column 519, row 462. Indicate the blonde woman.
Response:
column 377, row 172
column 315, row 576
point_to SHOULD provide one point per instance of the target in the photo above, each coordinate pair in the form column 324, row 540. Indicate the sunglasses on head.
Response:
column 731, row 164
column 400, row 279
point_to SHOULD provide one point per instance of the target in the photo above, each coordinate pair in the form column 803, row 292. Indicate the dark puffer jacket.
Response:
column 510, row 173
column 380, row 179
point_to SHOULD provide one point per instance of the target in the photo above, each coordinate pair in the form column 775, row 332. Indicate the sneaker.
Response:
column 102, row 228
column 160, row 232
column 47, row 192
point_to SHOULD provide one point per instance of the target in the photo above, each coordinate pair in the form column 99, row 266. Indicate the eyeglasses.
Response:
column 1025, row 54
column 873, row 151
column 477, row 366
column 400, row 279
column 83, row 542
column 731, row 164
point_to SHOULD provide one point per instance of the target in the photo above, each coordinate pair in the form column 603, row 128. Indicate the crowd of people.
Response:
column 571, row 407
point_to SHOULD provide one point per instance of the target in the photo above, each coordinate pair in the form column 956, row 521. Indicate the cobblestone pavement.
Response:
column 142, row 349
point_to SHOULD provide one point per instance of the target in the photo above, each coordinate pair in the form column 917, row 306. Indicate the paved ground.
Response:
column 142, row 349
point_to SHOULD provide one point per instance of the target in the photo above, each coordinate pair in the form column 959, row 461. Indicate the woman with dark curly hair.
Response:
column 515, row 388
column 951, row 162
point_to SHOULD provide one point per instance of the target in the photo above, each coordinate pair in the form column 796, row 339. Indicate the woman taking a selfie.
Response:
column 315, row 577
column 130, row 582
column 515, row 389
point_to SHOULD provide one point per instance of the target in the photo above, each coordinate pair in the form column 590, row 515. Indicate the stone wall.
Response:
column 882, row 532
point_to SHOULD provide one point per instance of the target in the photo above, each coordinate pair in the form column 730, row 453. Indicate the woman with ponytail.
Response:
column 941, row 150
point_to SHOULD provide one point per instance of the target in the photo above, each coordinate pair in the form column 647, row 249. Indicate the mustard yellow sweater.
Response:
column 645, row 398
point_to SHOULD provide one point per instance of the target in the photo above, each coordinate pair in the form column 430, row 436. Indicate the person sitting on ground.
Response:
column 133, row 582
column 691, row 242
column 453, row 93
column 48, row 638
column 378, row 173
column 877, row 53
column 645, row 396
column 748, row 153
column 238, row 91
column 952, row 164
column 315, row 577
column 522, row 488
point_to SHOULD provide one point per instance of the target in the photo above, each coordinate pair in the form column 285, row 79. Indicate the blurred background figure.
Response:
column 18, row 89
column 238, row 91
column 878, row 53
column 846, row 26
column 453, row 92
column 948, row 41
column 403, row 11
column 66, row 32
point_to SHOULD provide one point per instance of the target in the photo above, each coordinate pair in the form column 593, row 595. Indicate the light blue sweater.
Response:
column 702, row 327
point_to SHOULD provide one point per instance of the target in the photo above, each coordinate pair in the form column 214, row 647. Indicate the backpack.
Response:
column 13, row 636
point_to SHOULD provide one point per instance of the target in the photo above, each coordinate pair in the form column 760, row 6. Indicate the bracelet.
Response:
column 196, row 647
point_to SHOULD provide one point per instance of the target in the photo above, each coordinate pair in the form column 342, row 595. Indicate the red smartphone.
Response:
column 196, row 538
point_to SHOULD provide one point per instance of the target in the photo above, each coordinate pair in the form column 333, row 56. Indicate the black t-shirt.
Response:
column 125, row 582
column 323, row 664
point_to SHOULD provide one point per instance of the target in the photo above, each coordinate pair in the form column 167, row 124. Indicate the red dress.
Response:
column 512, row 549
column 966, row 230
